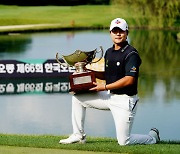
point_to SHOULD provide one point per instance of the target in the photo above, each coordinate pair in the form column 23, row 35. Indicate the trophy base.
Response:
column 81, row 82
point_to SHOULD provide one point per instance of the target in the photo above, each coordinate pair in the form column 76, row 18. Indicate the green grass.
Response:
column 67, row 16
column 87, row 16
column 93, row 144
column 30, row 150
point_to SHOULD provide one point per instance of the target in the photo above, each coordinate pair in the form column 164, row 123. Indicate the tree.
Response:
column 163, row 12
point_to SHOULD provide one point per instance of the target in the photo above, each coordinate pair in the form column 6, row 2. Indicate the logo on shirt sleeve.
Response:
column 133, row 69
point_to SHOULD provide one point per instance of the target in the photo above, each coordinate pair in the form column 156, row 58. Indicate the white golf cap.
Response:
column 120, row 23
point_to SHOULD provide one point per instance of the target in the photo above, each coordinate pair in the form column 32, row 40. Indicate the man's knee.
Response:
column 123, row 141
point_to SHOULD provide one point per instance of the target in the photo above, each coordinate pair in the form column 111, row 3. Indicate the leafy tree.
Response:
column 163, row 12
column 166, row 10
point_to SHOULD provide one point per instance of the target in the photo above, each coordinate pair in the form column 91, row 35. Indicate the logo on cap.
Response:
column 117, row 22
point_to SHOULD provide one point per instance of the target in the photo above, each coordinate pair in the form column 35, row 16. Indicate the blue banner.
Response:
column 33, row 68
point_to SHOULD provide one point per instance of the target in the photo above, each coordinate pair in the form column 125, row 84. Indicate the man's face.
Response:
column 118, row 35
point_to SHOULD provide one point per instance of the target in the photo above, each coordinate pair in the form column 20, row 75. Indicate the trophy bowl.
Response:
column 82, row 79
column 79, row 56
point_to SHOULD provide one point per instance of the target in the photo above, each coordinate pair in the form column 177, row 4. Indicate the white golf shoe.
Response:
column 74, row 138
column 155, row 133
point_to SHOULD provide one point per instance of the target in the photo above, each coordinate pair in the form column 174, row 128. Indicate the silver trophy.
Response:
column 82, row 79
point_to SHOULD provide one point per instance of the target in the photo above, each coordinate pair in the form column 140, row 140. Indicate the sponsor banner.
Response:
column 34, row 85
column 33, row 68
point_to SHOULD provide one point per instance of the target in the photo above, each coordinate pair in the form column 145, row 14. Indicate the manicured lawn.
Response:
column 69, row 16
column 74, row 17
column 93, row 144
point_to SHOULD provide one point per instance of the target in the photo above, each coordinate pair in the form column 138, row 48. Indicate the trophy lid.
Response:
column 79, row 56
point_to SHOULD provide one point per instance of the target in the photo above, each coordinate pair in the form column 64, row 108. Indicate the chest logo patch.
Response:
column 118, row 63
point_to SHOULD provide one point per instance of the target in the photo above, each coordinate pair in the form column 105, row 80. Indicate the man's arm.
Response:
column 123, row 82
column 132, row 69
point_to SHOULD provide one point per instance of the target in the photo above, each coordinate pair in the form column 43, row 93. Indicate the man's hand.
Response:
column 123, row 82
column 98, row 87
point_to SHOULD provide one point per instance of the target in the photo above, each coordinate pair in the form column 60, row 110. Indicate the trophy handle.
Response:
column 57, row 59
column 102, row 52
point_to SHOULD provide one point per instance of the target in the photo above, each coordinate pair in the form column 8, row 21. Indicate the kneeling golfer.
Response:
column 119, row 94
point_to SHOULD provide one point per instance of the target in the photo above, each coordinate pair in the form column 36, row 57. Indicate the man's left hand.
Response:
column 98, row 87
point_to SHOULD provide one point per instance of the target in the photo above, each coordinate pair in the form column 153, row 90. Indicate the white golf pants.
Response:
column 122, row 107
